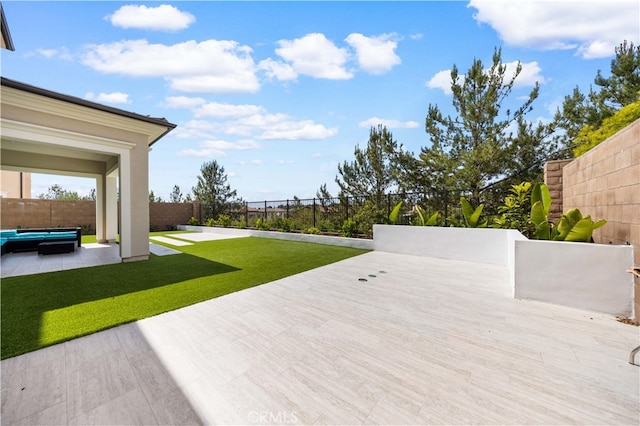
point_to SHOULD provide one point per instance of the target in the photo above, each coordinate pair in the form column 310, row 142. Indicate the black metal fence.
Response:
column 330, row 214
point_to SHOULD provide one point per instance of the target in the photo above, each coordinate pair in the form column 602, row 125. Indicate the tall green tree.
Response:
column 153, row 198
column 176, row 195
column 57, row 192
column 213, row 190
column 477, row 146
column 620, row 89
column 371, row 174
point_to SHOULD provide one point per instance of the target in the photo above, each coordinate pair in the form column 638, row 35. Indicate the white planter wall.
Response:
column 581, row 275
column 309, row 238
column 472, row 245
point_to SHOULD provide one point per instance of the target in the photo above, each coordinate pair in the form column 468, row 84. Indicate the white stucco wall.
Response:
column 472, row 245
column 581, row 275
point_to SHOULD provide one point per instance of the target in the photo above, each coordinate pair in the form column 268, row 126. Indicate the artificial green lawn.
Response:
column 44, row 309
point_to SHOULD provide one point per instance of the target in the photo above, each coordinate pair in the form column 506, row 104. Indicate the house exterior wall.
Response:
column 10, row 184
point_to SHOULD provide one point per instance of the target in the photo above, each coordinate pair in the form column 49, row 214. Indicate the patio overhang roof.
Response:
column 7, row 42
column 49, row 132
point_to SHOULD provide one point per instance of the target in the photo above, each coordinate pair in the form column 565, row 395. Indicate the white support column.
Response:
column 125, row 205
column 111, row 207
column 101, row 235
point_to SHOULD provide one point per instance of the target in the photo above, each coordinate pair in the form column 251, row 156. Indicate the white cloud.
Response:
column 163, row 18
column 441, row 80
column 110, row 98
column 288, row 129
column 284, row 162
column 529, row 75
column 278, row 70
column 48, row 53
column 591, row 27
column 316, row 56
column 61, row 53
column 276, row 126
column 248, row 121
column 218, row 148
column 376, row 55
column 183, row 102
column 389, row 123
column 256, row 162
column 218, row 110
column 416, row 36
column 219, row 66
column 196, row 129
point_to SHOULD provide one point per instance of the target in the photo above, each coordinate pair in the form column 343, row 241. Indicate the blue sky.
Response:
column 280, row 93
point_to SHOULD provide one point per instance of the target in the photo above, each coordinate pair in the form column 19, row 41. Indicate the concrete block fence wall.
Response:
column 554, row 179
column 605, row 183
column 169, row 215
column 37, row 213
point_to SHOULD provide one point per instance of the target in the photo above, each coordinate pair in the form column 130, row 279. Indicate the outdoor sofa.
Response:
column 44, row 240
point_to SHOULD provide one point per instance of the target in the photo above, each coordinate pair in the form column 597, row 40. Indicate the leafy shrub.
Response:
column 421, row 219
column 284, row 224
column 210, row 222
column 87, row 229
column 571, row 227
column 262, row 224
column 171, row 227
column 349, row 228
column 313, row 230
column 154, row 228
column 224, row 220
column 368, row 215
column 193, row 221
column 240, row 224
column 325, row 225
column 589, row 137
column 471, row 215
column 516, row 210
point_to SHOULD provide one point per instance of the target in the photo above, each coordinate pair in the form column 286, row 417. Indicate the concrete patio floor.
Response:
column 425, row 341
column 26, row 263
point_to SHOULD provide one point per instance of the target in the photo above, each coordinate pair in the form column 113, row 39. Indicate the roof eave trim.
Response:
column 6, row 34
